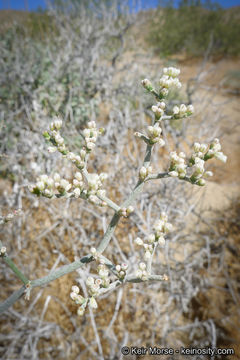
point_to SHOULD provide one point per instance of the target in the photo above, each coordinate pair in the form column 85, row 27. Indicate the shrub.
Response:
column 195, row 27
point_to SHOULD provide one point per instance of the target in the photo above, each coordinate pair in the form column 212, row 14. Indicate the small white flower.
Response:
column 52, row 149
column 161, row 241
column 164, row 92
column 196, row 146
column 91, row 124
column 173, row 173
column 103, row 176
column 147, row 255
column 168, row 227
column 81, row 311
column 73, row 295
column 86, row 133
column 161, row 142
column 143, row 173
column 201, row 182
column 151, row 238
column 65, row 184
column 163, row 216
column 176, row 110
column 90, row 281
column 142, row 266
column 93, row 250
column 124, row 266
column 138, row 241
column 83, row 153
column 208, row 173
column 40, row 185
column 3, row 250
column 77, row 192
column 182, row 109
column 78, row 176
column 138, row 273
column 220, row 156
column 90, row 145
column 203, row 147
column 118, row 268
column 161, row 105
column 190, row 108
column 75, row 289
column 130, row 209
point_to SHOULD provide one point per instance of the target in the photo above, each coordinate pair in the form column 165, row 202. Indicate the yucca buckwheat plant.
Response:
column 89, row 186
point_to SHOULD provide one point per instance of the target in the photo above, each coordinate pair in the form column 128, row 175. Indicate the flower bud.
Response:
column 151, row 238
column 78, row 176
column 143, row 173
column 40, row 185
column 124, row 266
column 142, row 266
column 147, row 84
column 118, row 268
column 3, row 250
column 130, row 209
column 173, row 173
column 220, row 156
column 138, row 241
column 75, row 289
column 77, row 192
column 161, row 241
column 52, row 149
column 90, row 281
column 176, row 110
column 201, row 182
column 208, row 173
column 81, row 311
column 147, row 255
column 73, row 295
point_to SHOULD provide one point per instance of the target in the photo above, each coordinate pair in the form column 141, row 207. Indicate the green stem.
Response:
column 66, row 269
column 14, row 268
column 12, row 299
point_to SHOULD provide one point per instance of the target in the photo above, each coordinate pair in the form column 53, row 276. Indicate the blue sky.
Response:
column 34, row 4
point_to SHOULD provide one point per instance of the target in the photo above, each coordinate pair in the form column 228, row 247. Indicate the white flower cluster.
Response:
column 178, row 168
column 141, row 272
column 91, row 134
column 147, row 84
column 201, row 154
column 126, row 211
column 104, row 274
column 214, row 151
column 161, row 228
column 121, row 270
column 144, row 172
column 78, row 160
column 3, row 250
column 159, row 109
column 78, row 184
column 154, row 133
column 45, row 186
column 56, row 139
column 10, row 216
column 79, row 300
column 95, row 183
column 182, row 111
column 94, row 286
column 169, row 79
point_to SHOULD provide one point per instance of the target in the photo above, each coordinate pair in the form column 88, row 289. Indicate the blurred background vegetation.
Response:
column 194, row 27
